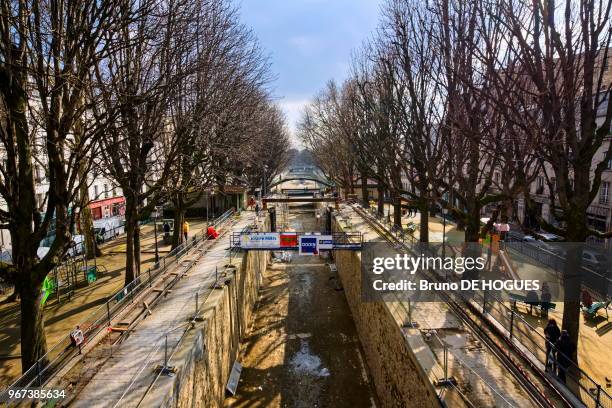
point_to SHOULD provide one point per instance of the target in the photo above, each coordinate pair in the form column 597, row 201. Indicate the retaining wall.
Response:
column 205, row 357
column 398, row 378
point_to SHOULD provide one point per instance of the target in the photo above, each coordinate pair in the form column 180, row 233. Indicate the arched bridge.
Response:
column 310, row 173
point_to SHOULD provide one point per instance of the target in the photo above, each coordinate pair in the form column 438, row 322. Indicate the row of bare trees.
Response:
column 165, row 98
column 471, row 101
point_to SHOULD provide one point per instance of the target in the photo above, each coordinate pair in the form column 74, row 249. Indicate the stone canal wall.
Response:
column 398, row 378
column 205, row 357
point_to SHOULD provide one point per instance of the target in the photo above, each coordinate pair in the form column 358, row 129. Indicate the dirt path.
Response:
column 303, row 349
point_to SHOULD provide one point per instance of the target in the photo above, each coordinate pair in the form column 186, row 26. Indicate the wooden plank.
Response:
column 119, row 329
column 156, row 290
column 146, row 306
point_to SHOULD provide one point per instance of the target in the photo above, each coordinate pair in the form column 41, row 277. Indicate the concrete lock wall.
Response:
column 398, row 378
column 205, row 357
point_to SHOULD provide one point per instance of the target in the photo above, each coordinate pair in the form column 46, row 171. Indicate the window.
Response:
column 96, row 192
column 114, row 191
column 604, row 192
column 106, row 191
column 496, row 177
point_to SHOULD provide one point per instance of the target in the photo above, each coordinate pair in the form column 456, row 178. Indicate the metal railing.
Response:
column 517, row 329
column 61, row 352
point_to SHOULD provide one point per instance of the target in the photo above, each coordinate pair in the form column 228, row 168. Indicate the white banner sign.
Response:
column 260, row 240
column 326, row 242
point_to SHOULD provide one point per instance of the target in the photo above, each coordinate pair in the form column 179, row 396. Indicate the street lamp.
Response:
column 444, row 212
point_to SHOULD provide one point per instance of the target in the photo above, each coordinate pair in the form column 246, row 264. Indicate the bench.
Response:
column 591, row 312
column 517, row 298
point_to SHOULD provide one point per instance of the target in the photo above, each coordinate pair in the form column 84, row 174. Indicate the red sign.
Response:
column 288, row 240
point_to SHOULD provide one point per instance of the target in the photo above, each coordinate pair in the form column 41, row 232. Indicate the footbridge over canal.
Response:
column 302, row 174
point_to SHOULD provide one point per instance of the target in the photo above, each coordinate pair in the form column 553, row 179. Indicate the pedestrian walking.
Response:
column 552, row 334
column 257, row 209
column 186, row 230
column 565, row 350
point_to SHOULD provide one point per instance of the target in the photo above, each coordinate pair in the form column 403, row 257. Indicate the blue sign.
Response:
column 308, row 245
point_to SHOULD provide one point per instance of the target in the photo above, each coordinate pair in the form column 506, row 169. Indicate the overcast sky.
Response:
column 309, row 42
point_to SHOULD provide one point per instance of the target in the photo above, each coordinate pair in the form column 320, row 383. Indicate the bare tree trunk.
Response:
column 397, row 210
column 86, row 223
column 137, row 253
column 472, row 228
column 131, row 222
column 380, row 210
column 365, row 196
column 424, row 223
column 179, row 218
column 572, row 274
column 33, row 342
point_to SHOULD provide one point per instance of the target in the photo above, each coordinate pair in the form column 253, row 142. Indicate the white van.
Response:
column 108, row 228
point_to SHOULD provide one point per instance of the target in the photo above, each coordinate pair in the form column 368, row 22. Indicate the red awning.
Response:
column 106, row 202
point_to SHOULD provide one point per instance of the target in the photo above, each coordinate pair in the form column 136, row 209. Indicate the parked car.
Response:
column 540, row 244
column 596, row 261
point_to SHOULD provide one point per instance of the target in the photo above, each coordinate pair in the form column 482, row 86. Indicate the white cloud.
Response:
column 293, row 108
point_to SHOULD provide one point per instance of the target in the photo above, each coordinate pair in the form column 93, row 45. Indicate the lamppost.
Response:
column 444, row 212
column 155, row 219
column 209, row 196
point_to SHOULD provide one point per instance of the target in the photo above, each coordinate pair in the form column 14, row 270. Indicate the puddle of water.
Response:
column 305, row 362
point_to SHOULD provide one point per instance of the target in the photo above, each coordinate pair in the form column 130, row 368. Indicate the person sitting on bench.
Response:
column 532, row 300
column 591, row 312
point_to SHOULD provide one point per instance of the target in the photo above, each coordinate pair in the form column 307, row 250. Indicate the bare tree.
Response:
column 135, row 85
column 47, row 51
column 559, row 57
column 329, row 137
column 213, row 104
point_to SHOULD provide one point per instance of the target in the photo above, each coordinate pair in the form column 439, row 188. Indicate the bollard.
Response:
column 166, row 352
column 196, row 304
